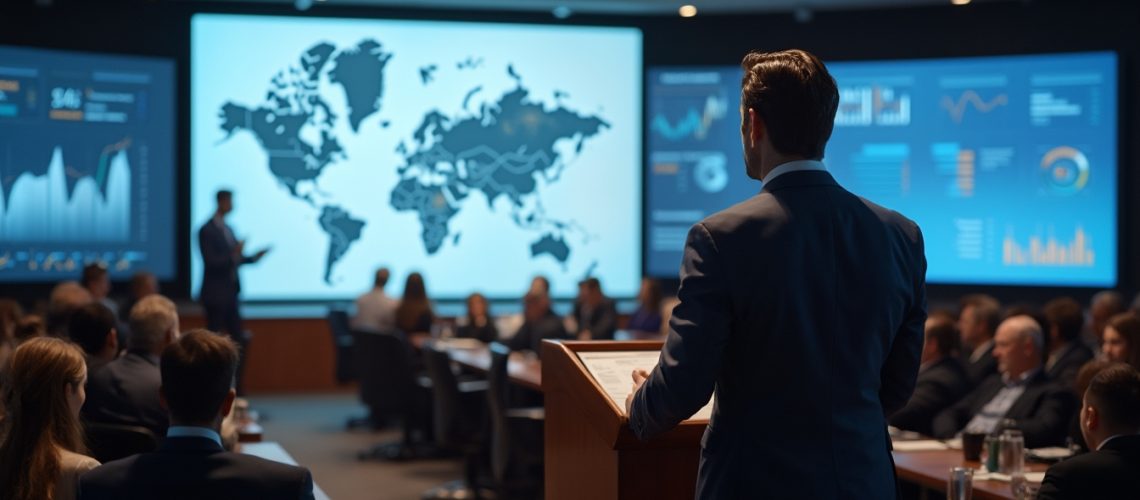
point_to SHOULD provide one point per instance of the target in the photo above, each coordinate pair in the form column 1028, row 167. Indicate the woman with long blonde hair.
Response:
column 41, row 452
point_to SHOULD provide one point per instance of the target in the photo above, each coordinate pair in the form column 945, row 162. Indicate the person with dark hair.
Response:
column 1122, row 339
column 804, row 278
column 143, row 284
column 30, row 327
column 479, row 324
column 125, row 391
column 414, row 315
column 645, row 322
column 375, row 310
column 198, row 371
column 596, row 314
column 941, row 379
column 97, row 281
column 539, row 323
column 1102, row 307
column 1021, row 392
column 978, row 320
column 94, row 328
column 222, row 256
column 65, row 298
column 41, row 455
column 540, row 284
column 1065, row 319
column 1110, row 423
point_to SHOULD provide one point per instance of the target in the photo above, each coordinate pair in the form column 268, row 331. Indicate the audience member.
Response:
column 540, row 284
column 65, row 298
column 645, row 322
column 375, row 310
column 479, row 325
column 94, row 328
column 414, row 314
column 41, row 454
column 30, row 327
column 1122, row 339
column 97, row 281
column 1065, row 320
column 1103, row 306
column 125, row 391
column 941, row 379
column 198, row 371
column 539, row 323
column 1084, row 378
column 595, row 314
column 977, row 321
column 1021, row 392
column 143, row 284
column 1110, row 423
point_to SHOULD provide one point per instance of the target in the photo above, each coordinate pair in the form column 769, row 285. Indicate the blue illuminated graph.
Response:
column 695, row 123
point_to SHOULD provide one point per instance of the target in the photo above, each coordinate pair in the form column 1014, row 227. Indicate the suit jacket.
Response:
column 803, row 308
column 1042, row 412
column 981, row 369
column 195, row 468
column 1064, row 370
column 532, row 333
column 125, row 391
column 1108, row 473
column 220, row 281
column 601, row 321
column 939, row 386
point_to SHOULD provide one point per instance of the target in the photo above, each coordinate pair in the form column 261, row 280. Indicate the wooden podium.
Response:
column 590, row 450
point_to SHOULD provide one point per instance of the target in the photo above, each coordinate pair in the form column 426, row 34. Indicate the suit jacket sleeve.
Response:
column 1050, row 423
column 691, row 359
column 952, row 419
column 900, row 370
column 929, row 398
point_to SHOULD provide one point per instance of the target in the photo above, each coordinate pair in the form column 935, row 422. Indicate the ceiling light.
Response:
column 687, row 11
column 960, row 2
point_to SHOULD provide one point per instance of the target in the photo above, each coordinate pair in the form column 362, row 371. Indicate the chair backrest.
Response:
column 342, row 346
column 114, row 441
column 497, row 397
column 383, row 366
column 455, row 422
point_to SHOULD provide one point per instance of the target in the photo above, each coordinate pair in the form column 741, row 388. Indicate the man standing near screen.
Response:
column 802, row 307
column 222, row 255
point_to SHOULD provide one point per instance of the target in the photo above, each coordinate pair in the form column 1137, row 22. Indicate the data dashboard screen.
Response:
column 478, row 154
column 86, row 164
column 1008, row 164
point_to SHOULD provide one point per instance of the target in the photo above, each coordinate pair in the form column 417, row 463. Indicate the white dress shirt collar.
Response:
column 793, row 166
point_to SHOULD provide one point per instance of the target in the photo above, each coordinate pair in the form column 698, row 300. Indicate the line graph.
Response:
column 956, row 108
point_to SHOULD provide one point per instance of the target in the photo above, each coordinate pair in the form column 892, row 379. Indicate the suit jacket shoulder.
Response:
column 1096, row 475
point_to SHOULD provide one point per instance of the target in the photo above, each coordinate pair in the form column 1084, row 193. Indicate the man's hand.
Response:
column 261, row 253
column 639, row 377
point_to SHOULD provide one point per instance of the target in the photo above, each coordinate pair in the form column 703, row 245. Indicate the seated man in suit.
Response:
column 595, row 314
column 126, row 390
column 1110, row 423
column 941, row 379
column 1021, row 392
column 977, row 322
column 1065, row 319
column 94, row 328
column 539, row 323
column 197, row 386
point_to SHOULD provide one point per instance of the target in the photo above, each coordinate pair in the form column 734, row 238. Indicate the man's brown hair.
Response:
column 197, row 373
column 794, row 94
column 1067, row 316
column 1115, row 393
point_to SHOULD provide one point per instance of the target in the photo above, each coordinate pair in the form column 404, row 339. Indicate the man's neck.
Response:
column 776, row 161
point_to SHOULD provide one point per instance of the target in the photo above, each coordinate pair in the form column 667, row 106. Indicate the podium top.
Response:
column 613, row 370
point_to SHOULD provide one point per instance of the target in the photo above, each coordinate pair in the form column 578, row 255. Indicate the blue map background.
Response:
column 341, row 174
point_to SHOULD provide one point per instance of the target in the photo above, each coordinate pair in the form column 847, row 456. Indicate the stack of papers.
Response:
column 921, row 445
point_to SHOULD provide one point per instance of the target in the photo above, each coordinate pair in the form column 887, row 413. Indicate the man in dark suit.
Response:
column 595, row 313
column 978, row 320
column 539, row 323
column 222, row 255
column 125, row 391
column 94, row 328
column 941, row 379
column 802, row 308
column 1110, row 423
column 197, row 387
column 1067, row 354
column 1021, row 392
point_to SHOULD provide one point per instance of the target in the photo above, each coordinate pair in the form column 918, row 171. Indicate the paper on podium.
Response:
column 613, row 370
column 919, row 445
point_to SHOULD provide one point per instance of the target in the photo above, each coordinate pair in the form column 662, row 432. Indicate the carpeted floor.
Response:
column 311, row 428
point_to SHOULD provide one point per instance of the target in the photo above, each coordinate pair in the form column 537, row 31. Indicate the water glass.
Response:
column 1011, row 459
column 961, row 484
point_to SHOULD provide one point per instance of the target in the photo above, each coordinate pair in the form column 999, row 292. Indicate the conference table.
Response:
column 927, row 469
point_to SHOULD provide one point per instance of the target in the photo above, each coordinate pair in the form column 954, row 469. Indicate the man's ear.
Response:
column 756, row 126
column 1092, row 418
column 112, row 341
column 228, row 403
